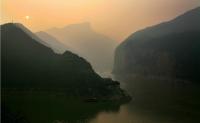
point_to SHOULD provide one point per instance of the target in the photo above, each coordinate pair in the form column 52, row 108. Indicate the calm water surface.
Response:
column 153, row 102
column 130, row 114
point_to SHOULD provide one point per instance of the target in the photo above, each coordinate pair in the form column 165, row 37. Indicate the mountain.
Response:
column 32, row 35
column 45, row 39
column 28, row 64
column 170, row 50
column 56, row 45
column 96, row 48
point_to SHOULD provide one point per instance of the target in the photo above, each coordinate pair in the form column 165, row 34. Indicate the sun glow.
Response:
column 27, row 17
column 123, row 16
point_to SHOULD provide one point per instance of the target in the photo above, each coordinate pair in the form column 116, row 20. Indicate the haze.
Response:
column 115, row 18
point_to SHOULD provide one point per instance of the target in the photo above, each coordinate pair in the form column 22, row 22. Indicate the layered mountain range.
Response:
column 52, row 42
column 97, row 48
column 29, row 63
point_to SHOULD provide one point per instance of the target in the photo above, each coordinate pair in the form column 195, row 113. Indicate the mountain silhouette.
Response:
column 170, row 49
column 32, row 35
column 96, row 48
column 27, row 63
column 52, row 42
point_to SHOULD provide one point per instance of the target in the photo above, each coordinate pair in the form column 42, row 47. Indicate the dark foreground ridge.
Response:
column 40, row 86
column 27, row 64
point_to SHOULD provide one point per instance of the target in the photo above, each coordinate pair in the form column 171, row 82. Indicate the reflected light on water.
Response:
column 123, row 116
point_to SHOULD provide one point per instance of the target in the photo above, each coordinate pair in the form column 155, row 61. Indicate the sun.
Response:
column 27, row 17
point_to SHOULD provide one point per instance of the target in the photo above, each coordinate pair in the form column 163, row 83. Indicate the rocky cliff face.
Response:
column 169, row 49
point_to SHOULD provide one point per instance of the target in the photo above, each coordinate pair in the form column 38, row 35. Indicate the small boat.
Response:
column 91, row 100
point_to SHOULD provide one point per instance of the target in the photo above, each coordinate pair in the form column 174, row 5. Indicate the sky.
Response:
column 115, row 18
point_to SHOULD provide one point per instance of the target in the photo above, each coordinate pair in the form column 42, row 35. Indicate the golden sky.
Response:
column 115, row 18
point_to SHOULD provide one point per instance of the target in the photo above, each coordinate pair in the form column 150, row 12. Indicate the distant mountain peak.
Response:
column 54, row 44
column 83, row 25
column 85, row 41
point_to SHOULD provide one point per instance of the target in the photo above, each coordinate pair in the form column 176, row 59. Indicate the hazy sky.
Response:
column 115, row 18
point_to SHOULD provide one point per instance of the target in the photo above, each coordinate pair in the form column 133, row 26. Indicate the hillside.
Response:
column 28, row 64
column 167, row 50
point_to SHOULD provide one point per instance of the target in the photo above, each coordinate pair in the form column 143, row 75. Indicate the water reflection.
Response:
column 153, row 102
column 39, row 107
column 161, row 100
column 131, row 114
column 126, row 116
